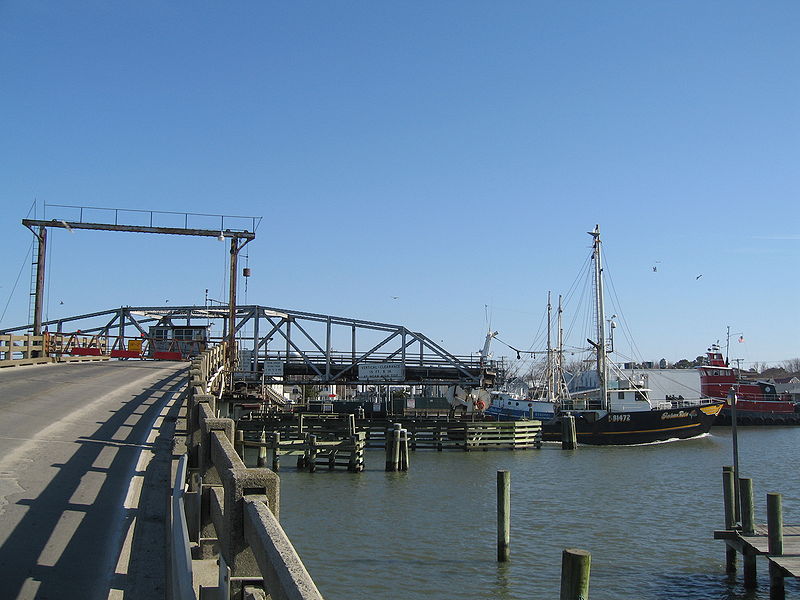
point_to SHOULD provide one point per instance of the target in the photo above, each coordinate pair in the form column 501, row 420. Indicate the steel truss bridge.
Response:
column 292, row 346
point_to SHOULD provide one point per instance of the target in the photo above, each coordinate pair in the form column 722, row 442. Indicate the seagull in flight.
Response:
column 395, row 297
column 698, row 277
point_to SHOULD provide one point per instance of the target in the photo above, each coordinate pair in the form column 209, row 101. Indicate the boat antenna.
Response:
column 728, row 347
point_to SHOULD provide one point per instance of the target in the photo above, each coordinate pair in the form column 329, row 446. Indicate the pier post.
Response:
column 355, row 451
column 775, row 540
column 262, row 450
column 437, row 437
column 393, row 447
column 730, row 516
column 569, row 436
column 748, row 528
column 312, row 453
column 276, row 448
column 239, row 445
column 503, row 515
column 404, row 459
column 388, row 447
column 396, row 447
column 575, row 569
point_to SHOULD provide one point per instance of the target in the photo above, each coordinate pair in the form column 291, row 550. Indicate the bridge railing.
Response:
column 29, row 349
column 232, row 510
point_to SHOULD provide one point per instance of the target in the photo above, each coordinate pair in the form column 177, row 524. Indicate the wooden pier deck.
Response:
column 758, row 544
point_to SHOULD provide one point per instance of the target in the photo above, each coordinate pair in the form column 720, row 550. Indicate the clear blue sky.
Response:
column 452, row 154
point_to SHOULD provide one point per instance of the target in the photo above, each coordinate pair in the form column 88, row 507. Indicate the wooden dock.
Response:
column 778, row 543
column 758, row 545
column 339, row 440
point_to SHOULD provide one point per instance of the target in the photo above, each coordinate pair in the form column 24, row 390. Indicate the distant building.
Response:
column 661, row 382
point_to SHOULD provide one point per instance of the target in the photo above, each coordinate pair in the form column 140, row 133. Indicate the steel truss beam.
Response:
column 312, row 348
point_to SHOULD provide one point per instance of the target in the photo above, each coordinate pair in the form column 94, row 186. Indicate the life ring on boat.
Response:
column 480, row 405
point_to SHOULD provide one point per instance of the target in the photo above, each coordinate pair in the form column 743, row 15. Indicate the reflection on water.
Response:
column 646, row 514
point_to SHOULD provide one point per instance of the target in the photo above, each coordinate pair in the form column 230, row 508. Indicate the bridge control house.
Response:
column 184, row 341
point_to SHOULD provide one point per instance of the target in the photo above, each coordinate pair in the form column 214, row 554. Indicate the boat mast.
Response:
column 549, row 365
column 602, row 369
column 562, row 386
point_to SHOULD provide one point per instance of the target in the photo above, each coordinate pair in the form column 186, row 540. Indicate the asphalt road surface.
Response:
column 77, row 444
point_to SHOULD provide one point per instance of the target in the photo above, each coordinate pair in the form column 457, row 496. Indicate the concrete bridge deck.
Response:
column 81, row 496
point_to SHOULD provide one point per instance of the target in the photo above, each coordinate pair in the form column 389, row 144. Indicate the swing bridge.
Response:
column 286, row 346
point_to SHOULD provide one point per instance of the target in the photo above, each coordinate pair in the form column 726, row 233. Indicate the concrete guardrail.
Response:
column 231, row 511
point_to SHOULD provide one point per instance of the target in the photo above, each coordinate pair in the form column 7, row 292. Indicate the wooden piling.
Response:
column 396, row 447
column 332, row 460
column 748, row 513
column 730, row 516
column 569, row 436
column 748, row 528
column 503, row 515
column 404, row 459
column 239, row 443
column 312, row 453
column 575, row 570
column 352, row 464
column 262, row 450
column 276, row 449
column 775, row 540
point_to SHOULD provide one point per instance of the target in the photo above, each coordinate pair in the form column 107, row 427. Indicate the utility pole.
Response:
column 231, row 350
column 40, row 262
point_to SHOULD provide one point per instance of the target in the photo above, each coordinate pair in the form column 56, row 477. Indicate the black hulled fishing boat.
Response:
column 614, row 409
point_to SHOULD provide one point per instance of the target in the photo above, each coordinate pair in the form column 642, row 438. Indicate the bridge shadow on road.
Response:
column 68, row 542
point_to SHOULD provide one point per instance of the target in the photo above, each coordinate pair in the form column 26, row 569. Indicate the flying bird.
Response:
column 395, row 297
column 698, row 277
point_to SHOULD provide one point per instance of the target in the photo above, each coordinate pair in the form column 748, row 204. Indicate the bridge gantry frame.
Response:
column 291, row 346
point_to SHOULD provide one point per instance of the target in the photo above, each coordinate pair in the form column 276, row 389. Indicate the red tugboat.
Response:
column 757, row 401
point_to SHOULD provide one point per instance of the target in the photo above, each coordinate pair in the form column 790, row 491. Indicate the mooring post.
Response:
column 503, row 515
column 730, row 516
column 396, row 447
column 569, row 437
column 575, row 569
column 312, row 453
column 352, row 464
column 748, row 528
column 388, row 447
column 276, row 448
column 262, row 450
column 239, row 446
column 775, row 539
column 404, row 459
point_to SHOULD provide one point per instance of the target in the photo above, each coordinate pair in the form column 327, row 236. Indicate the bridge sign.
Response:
column 381, row 372
column 273, row 368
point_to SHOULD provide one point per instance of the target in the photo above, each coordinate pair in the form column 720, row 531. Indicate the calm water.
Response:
column 646, row 514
